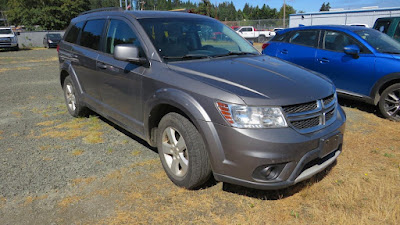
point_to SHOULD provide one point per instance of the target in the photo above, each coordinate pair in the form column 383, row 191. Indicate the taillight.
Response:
column 58, row 48
column 265, row 45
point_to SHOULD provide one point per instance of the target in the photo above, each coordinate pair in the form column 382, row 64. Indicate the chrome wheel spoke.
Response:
column 183, row 162
column 175, row 166
column 181, row 145
column 171, row 136
column 167, row 148
column 395, row 112
column 390, row 108
column 394, row 97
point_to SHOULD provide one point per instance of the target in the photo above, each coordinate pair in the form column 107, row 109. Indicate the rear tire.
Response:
column 182, row 152
column 74, row 104
column 389, row 103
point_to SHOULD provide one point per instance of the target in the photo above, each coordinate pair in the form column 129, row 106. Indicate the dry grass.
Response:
column 90, row 130
column 362, row 188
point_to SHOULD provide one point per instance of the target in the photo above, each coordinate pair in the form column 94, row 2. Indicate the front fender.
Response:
column 196, row 113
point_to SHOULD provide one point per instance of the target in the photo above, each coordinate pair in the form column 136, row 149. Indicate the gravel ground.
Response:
column 43, row 149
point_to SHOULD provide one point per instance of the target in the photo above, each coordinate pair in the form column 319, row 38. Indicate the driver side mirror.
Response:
column 352, row 50
column 128, row 52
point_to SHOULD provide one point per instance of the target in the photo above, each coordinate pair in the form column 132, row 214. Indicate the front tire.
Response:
column 182, row 152
column 74, row 105
column 389, row 103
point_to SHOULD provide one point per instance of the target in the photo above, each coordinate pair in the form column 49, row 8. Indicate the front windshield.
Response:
column 187, row 38
column 5, row 31
column 381, row 42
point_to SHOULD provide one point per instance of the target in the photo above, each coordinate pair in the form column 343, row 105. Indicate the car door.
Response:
column 348, row 73
column 121, row 80
column 85, row 55
column 247, row 32
column 300, row 48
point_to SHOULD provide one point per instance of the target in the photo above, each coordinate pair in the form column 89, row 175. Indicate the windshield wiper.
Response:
column 236, row 53
column 188, row 56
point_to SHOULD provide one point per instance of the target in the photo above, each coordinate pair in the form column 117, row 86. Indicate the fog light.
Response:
column 268, row 172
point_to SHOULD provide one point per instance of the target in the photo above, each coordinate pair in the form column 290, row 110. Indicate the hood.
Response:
column 258, row 80
column 7, row 35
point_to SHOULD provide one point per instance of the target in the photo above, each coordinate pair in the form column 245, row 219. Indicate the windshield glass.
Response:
column 5, row 31
column 381, row 42
column 187, row 38
column 54, row 36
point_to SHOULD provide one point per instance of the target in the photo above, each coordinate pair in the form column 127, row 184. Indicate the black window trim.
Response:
column 79, row 34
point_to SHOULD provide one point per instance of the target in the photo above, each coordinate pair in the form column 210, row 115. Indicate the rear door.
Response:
column 85, row 55
column 347, row 73
column 121, row 81
column 300, row 48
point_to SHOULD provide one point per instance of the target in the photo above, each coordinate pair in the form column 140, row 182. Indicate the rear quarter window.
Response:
column 91, row 34
column 305, row 37
column 73, row 33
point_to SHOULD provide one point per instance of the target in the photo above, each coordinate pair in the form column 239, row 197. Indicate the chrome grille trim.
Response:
column 312, row 120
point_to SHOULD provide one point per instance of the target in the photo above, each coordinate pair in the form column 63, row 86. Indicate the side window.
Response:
column 336, row 41
column 73, row 32
column 382, row 26
column 91, row 34
column 280, row 37
column 119, row 32
column 305, row 37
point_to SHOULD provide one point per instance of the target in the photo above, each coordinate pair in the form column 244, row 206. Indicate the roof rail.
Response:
column 103, row 9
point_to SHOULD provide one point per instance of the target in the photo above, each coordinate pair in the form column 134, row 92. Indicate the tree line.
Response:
column 56, row 14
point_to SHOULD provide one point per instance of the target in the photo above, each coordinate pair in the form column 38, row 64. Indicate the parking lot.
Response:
column 56, row 169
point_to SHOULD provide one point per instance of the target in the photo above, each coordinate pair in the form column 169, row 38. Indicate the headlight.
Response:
column 50, row 41
column 241, row 116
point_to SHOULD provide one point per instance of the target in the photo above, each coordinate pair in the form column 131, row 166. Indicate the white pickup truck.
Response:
column 252, row 34
column 8, row 39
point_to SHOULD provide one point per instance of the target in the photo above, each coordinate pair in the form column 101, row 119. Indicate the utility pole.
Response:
column 284, row 13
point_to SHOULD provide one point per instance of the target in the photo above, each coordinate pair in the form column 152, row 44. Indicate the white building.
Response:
column 366, row 15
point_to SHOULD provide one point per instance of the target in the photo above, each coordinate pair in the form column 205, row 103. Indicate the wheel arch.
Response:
column 171, row 100
column 382, row 84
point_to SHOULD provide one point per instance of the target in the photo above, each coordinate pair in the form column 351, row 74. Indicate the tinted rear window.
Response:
column 73, row 32
column 91, row 34
column 305, row 37
column 382, row 26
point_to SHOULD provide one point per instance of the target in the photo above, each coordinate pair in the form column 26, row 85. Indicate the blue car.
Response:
column 363, row 63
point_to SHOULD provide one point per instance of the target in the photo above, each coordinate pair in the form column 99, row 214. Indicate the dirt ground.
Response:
column 56, row 169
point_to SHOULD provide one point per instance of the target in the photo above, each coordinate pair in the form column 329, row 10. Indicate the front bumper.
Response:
column 295, row 156
column 8, row 45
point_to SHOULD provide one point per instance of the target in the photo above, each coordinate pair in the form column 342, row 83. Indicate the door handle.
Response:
column 284, row 51
column 323, row 60
column 101, row 65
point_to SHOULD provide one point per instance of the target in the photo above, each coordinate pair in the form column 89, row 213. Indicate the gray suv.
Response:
column 212, row 106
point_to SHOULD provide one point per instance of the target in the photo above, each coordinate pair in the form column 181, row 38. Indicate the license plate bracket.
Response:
column 330, row 144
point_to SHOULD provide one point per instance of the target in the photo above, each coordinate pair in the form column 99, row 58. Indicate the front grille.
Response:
column 311, row 116
column 329, row 114
column 300, row 107
column 5, row 40
column 328, row 99
column 307, row 123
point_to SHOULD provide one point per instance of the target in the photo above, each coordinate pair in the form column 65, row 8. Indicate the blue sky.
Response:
column 313, row 5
